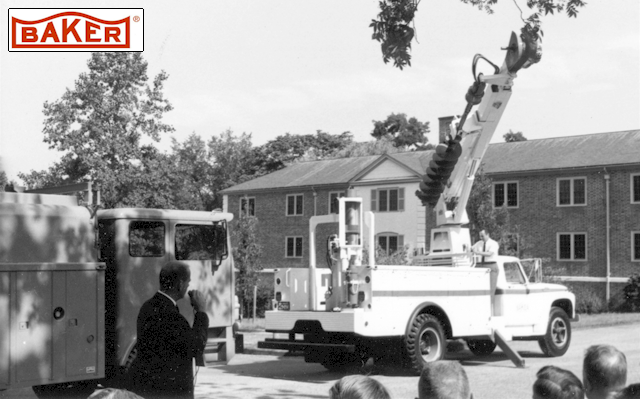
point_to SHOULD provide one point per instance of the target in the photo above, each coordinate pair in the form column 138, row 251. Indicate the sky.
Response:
column 270, row 67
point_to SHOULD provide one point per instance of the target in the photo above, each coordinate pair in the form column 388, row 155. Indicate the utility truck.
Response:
column 73, row 278
column 355, row 309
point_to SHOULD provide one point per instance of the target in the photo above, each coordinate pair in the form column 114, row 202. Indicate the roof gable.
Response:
column 341, row 171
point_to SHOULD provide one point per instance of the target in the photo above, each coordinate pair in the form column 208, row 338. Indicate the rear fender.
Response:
column 434, row 310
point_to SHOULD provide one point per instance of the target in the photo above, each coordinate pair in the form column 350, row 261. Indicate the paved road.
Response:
column 491, row 377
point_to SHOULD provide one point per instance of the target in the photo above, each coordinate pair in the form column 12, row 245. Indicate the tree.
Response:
column 404, row 132
column 392, row 26
column 511, row 137
column 100, row 124
column 483, row 215
column 288, row 148
column 192, row 161
column 385, row 145
column 232, row 160
column 3, row 180
column 246, row 254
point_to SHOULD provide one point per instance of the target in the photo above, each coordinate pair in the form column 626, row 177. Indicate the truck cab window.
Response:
column 195, row 242
column 146, row 239
column 512, row 273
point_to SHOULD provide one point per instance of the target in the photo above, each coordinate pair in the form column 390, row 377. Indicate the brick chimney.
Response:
column 444, row 123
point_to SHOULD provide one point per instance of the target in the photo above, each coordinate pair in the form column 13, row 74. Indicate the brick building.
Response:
column 284, row 201
column 562, row 193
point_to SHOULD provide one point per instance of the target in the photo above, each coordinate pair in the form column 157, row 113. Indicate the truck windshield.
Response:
column 513, row 274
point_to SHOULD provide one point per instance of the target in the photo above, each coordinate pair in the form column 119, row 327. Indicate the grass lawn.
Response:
column 586, row 321
column 605, row 319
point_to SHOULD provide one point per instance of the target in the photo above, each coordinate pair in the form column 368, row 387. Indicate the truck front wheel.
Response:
column 558, row 337
column 425, row 341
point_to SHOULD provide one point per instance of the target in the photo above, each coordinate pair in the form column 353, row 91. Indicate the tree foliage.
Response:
column 511, row 137
column 231, row 161
column 100, row 125
column 482, row 214
column 3, row 180
column 246, row 254
column 404, row 132
column 288, row 148
column 392, row 26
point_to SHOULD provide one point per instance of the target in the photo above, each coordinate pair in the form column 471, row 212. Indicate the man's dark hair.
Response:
column 630, row 392
column 556, row 383
column 172, row 273
column 443, row 379
column 604, row 368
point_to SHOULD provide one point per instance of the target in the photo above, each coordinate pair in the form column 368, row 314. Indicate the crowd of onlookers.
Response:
column 604, row 376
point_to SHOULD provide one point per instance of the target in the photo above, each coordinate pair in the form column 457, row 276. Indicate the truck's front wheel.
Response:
column 558, row 337
column 425, row 341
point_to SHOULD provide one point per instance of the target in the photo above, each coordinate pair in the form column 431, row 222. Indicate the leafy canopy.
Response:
column 100, row 126
column 511, row 137
column 404, row 132
column 392, row 27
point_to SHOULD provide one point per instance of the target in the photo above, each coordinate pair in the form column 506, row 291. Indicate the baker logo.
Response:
column 76, row 30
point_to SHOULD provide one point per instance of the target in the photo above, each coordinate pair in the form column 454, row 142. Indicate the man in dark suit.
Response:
column 166, row 343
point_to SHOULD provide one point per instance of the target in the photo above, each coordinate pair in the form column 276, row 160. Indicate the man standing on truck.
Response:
column 487, row 250
column 166, row 343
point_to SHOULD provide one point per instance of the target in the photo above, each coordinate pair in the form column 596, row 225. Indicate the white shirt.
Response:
column 490, row 246
column 174, row 302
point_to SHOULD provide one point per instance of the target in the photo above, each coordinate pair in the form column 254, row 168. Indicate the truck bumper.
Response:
column 290, row 321
column 304, row 346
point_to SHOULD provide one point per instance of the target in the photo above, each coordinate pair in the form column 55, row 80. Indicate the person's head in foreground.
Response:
column 556, row 383
column 630, row 392
column 604, row 371
column 444, row 379
column 358, row 387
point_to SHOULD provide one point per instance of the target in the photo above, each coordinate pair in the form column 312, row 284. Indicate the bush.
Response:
column 632, row 293
column 589, row 301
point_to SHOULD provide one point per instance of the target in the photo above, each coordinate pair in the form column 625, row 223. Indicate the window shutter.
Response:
column 400, row 242
column 374, row 200
column 401, row 199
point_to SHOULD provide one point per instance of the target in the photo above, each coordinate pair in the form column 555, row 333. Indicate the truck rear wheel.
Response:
column 558, row 337
column 481, row 347
column 425, row 341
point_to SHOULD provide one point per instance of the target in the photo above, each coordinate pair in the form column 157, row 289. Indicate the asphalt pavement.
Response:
column 263, row 374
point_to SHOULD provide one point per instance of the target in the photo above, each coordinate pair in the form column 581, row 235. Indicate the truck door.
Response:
column 201, row 245
column 515, row 297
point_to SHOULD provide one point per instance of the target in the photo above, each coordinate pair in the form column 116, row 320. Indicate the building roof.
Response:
column 585, row 151
column 331, row 171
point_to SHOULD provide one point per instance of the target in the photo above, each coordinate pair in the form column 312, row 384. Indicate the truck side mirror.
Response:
column 221, row 248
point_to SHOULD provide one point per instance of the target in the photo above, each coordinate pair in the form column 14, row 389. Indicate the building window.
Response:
column 387, row 200
column 294, row 247
column 635, row 246
column 572, row 246
column 635, row 188
column 294, row 204
column 390, row 242
column 333, row 200
column 146, row 239
column 248, row 206
column 505, row 193
column 572, row 191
